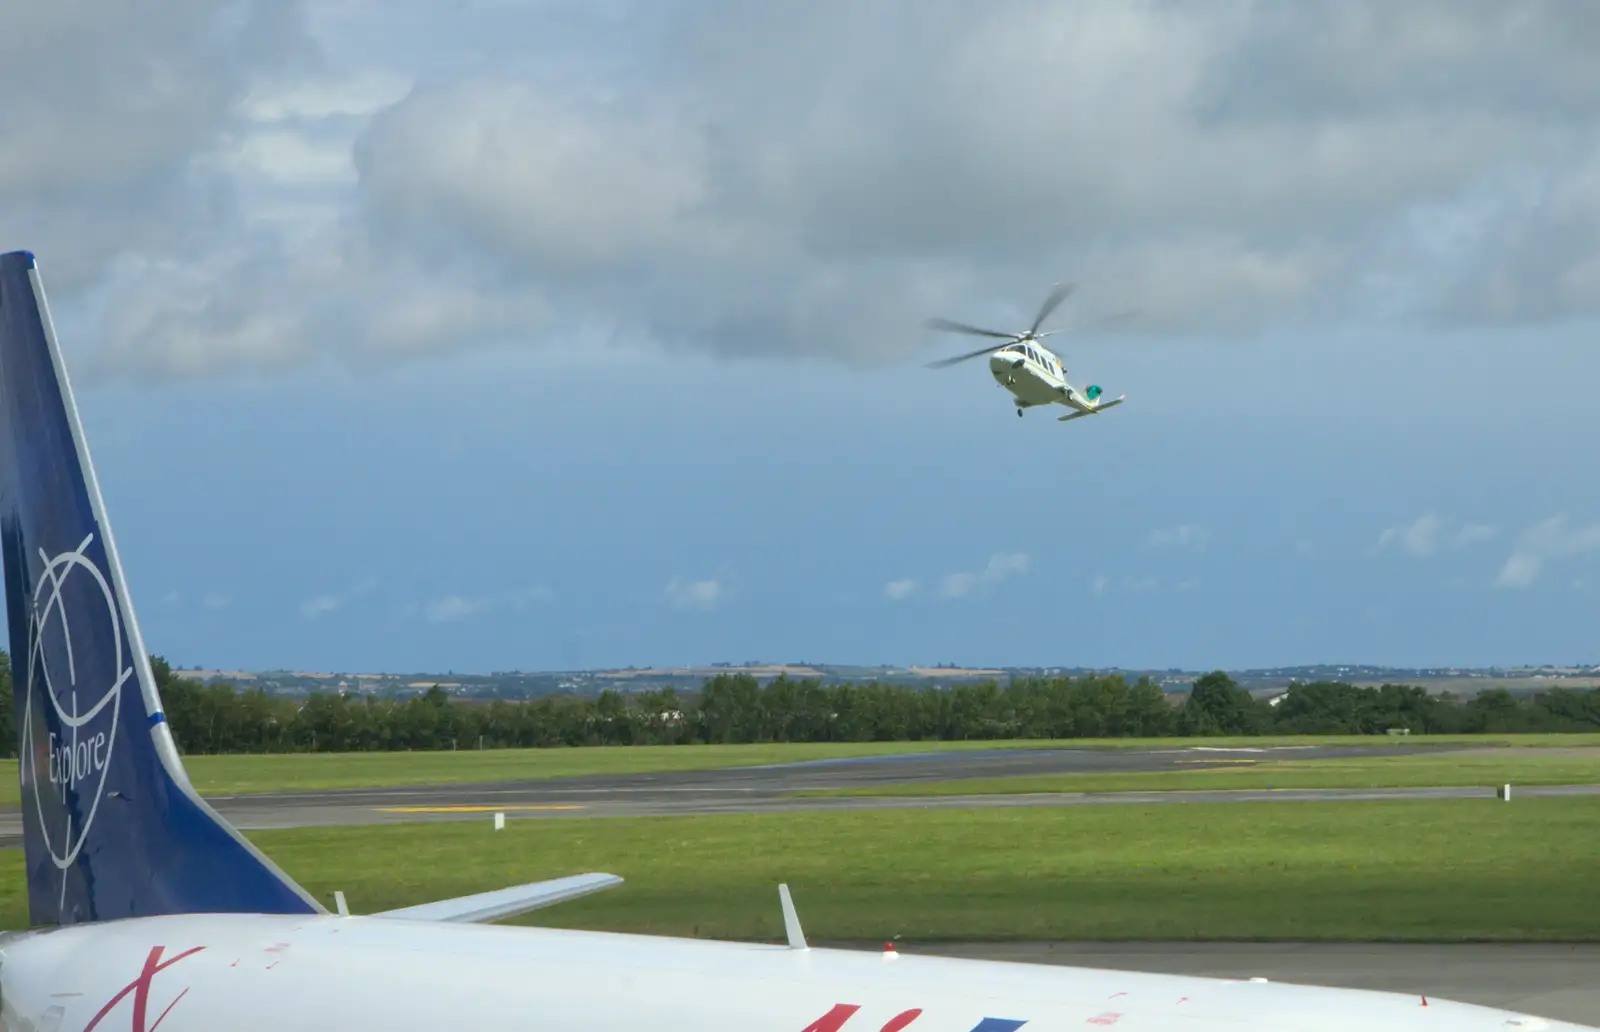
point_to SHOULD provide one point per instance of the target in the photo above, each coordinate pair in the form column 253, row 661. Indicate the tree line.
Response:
column 735, row 707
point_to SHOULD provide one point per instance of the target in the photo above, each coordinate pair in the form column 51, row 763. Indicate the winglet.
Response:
column 500, row 903
column 791, row 921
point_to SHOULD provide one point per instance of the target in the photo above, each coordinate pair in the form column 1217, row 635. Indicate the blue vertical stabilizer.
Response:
column 112, row 826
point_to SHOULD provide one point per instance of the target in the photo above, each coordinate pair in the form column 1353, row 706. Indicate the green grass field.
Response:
column 230, row 775
column 1515, row 767
column 1423, row 871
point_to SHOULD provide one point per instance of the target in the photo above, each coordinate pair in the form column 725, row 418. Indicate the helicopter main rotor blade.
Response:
column 944, row 362
column 1118, row 317
column 956, row 327
column 1058, row 295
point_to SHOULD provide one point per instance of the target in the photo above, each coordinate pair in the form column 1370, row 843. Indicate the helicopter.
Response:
column 1030, row 371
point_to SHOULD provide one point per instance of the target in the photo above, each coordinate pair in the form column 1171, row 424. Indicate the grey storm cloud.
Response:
column 764, row 179
column 107, row 105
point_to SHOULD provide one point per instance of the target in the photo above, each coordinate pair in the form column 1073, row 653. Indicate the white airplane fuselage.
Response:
column 242, row 973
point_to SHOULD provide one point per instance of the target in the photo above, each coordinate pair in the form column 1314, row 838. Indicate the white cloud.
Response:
column 321, row 96
column 700, row 594
column 242, row 202
column 1133, row 585
column 211, row 600
column 1001, row 566
column 112, row 110
column 900, row 589
column 1472, row 533
column 320, row 605
column 1543, row 543
column 1182, row 536
column 1430, row 533
column 331, row 602
column 455, row 608
column 452, row 608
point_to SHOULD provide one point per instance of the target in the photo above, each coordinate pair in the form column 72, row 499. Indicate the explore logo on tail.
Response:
column 74, row 699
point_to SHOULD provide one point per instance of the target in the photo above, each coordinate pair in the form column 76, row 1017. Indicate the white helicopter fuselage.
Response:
column 1032, row 374
column 1035, row 375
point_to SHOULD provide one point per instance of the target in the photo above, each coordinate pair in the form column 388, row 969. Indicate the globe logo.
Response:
column 76, row 668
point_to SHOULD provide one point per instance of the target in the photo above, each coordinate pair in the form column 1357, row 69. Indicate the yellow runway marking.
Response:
column 474, row 809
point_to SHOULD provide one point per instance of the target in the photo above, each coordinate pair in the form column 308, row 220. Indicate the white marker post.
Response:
column 499, row 822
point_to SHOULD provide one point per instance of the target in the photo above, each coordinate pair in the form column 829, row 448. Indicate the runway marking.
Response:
column 1212, row 763
column 476, row 809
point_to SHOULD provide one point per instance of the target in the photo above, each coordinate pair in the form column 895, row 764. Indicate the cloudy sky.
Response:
column 488, row 334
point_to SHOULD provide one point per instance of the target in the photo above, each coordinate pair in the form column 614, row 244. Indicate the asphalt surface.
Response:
column 767, row 789
column 1551, row 981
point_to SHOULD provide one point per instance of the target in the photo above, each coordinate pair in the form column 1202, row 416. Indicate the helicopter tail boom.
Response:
column 1094, row 410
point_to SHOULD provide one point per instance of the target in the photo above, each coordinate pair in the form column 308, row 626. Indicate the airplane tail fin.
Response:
column 112, row 828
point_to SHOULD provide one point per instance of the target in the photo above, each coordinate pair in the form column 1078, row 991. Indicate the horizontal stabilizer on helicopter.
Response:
column 1093, row 411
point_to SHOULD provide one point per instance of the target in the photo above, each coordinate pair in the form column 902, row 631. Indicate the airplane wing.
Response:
column 499, row 903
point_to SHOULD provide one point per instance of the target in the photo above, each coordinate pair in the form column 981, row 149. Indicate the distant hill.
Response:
column 529, row 684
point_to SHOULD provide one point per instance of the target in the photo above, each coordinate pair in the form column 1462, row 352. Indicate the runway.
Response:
column 1553, row 981
column 768, row 789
